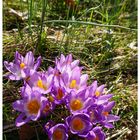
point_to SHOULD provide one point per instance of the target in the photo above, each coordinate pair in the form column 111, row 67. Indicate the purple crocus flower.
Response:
column 95, row 134
column 95, row 113
column 79, row 124
column 58, row 132
column 97, row 93
column 78, row 102
column 41, row 81
column 30, row 107
column 22, row 67
column 73, row 80
column 59, row 94
column 108, row 118
column 63, row 62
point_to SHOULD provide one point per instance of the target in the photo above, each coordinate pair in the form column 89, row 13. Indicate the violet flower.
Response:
column 95, row 113
column 95, row 134
column 78, row 102
column 79, row 124
column 63, row 62
column 30, row 107
column 58, row 132
column 59, row 94
column 41, row 81
column 73, row 80
column 107, row 117
column 22, row 67
column 97, row 93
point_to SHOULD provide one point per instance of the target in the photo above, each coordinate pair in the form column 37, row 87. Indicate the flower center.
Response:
column 22, row 65
column 76, row 104
column 97, row 93
column 41, row 85
column 60, row 94
column 58, row 134
column 33, row 106
column 73, row 84
column 105, row 113
column 78, row 124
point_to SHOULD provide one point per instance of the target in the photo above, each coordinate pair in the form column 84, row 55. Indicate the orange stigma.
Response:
column 105, row 113
column 58, row 134
column 22, row 65
column 77, row 124
column 33, row 106
column 96, row 138
column 60, row 94
column 76, row 104
column 97, row 93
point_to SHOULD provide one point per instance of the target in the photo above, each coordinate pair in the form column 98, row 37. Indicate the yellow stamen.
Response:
column 58, row 134
column 97, row 93
column 76, row 104
column 33, row 106
column 41, row 85
column 60, row 94
column 22, row 65
column 77, row 124
column 105, row 113
column 73, row 84
column 51, row 99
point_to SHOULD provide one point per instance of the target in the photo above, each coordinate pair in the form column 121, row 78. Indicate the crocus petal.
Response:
column 20, row 120
column 112, row 118
column 107, row 125
column 18, row 105
column 74, row 64
column 76, row 75
column 14, row 77
column 83, row 79
column 38, row 62
column 29, row 59
column 101, row 88
column 109, row 106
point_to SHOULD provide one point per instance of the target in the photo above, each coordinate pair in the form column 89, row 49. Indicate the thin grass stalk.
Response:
column 90, row 23
column 44, row 4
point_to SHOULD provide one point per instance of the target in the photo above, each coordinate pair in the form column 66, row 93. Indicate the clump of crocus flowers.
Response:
column 88, row 105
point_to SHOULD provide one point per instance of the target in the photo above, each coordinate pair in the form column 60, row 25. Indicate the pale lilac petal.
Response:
column 38, row 62
column 74, row 64
column 29, row 59
column 14, row 77
column 112, row 118
column 101, row 88
column 76, row 73
column 83, row 79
